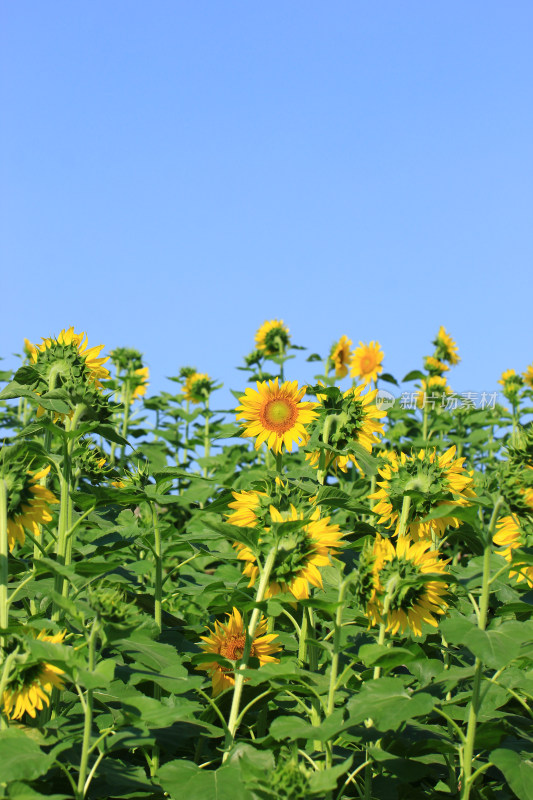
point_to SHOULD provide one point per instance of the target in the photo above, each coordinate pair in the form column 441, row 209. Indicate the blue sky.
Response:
column 175, row 173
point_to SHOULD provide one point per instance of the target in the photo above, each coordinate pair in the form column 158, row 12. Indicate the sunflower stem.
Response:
column 88, row 714
column 158, row 586
column 330, row 708
column 127, row 403
column 406, row 505
column 279, row 463
column 4, row 554
column 425, row 422
column 4, row 679
column 468, row 747
column 239, row 676
column 207, row 443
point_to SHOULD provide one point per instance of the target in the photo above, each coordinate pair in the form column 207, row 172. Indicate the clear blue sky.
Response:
column 174, row 173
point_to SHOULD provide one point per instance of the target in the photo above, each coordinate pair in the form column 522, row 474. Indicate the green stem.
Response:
column 88, row 714
column 239, row 676
column 158, row 586
column 330, row 708
column 4, row 679
column 4, row 554
column 302, row 644
column 468, row 748
column 425, row 422
column 207, row 443
column 125, row 422
column 406, row 505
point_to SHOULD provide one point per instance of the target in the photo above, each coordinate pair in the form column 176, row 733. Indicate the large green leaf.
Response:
column 21, row 757
column 517, row 770
column 388, row 703
column 185, row 779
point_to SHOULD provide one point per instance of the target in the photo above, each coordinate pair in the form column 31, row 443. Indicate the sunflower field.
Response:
column 325, row 591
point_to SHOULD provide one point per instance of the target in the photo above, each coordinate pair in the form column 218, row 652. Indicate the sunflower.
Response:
column 299, row 553
column 434, row 366
column 512, row 383
column 511, row 535
column 446, row 347
column 228, row 640
column 245, row 503
column 198, row 387
column 341, row 357
column 406, row 596
column 28, row 504
column 366, row 362
column 437, row 480
column 141, row 378
column 359, row 424
column 528, row 376
column 272, row 338
column 431, row 388
column 275, row 414
column 32, row 685
column 73, row 347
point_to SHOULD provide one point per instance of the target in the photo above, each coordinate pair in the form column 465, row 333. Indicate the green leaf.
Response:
column 383, row 656
column 21, row 791
column 518, row 772
column 414, row 375
column 22, row 758
column 388, row 704
column 185, row 779
column 26, row 375
column 109, row 433
column 292, row 728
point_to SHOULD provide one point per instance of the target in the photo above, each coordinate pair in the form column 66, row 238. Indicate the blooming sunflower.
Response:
column 437, row 480
column 299, row 553
column 228, row 640
column 404, row 597
column 198, row 387
column 366, row 362
column 275, row 414
column 73, row 347
column 446, row 347
column 434, row 366
column 142, row 382
column 434, row 386
column 359, row 423
column 511, row 535
column 272, row 338
column 341, row 357
column 28, row 504
column 32, row 685
column 512, row 383
column 528, row 376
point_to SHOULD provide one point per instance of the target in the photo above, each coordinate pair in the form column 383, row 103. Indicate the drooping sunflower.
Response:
column 228, row 640
column 434, row 366
column 510, row 535
column 446, row 348
column 528, row 376
column 245, row 503
column 404, row 597
column 341, row 357
column 345, row 419
column 32, row 685
column 272, row 338
column 71, row 348
column 366, row 362
column 198, row 387
column 432, row 389
column 28, row 504
column 299, row 554
column 275, row 414
column 141, row 375
column 437, row 480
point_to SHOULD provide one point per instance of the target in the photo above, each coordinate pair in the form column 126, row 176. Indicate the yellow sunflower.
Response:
column 299, row 554
column 31, row 687
column 77, row 343
column 423, row 473
column 361, row 426
column 510, row 535
column 245, row 503
column 198, row 387
column 366, row 362
column 403, row 599
column 228, row 640
column 446, row 347
column 528, row 376
column 341, row 357
column 275, row 414
column 28, row 506
column 272, row 338
column 142, row 376
column 435, row 366
column 432, row 387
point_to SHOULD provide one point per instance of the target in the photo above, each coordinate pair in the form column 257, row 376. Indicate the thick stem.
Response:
column 468, row 749
column 330, row 707
column 207, row 443
column 4, row 553
column 239, row 677
column 406, row 505
column 88, row 714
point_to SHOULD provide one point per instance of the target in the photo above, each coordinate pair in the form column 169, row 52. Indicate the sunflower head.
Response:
column 408, row 590
column 431, row 481
column 434, row 366
column 272, row 338
column 528, row 376
column 367, row 362
column 198, row 387
column 341, row 357
column 91, row 462
column 228, row 640
column 513, row 533
column 512, row 383
column 134, row 376
column 434, row 386
column 66, row 360
column 344, row 421
column 275, row 414
column 446, row 348
column 28, row 500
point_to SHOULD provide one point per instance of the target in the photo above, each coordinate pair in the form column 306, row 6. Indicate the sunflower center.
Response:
column 232, row 648
column 368, row 363
column 279, row 415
